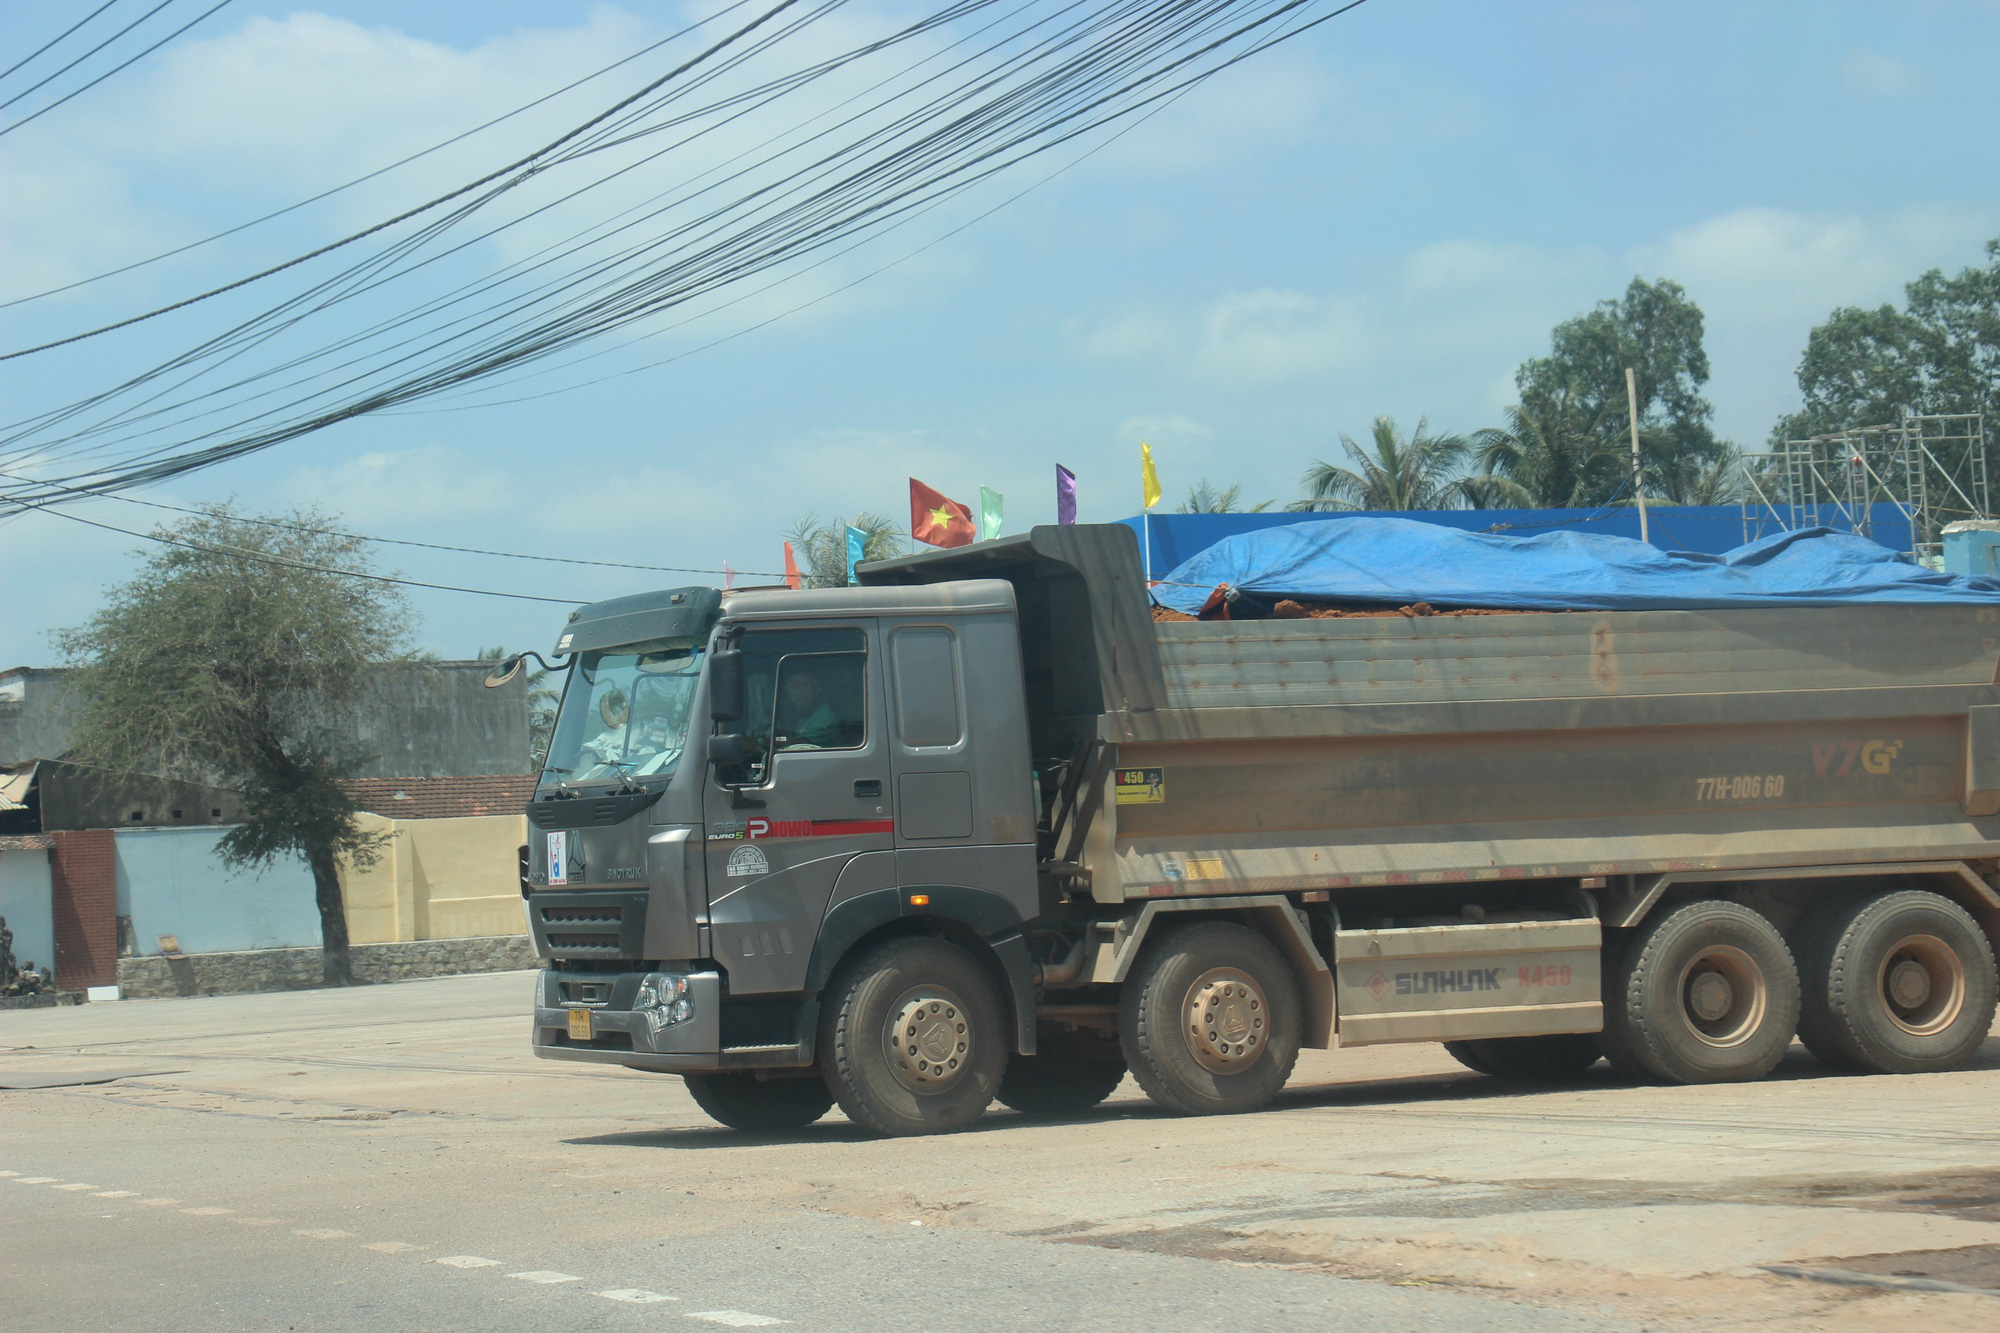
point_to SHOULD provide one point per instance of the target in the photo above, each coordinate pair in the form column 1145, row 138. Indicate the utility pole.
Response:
column 1638, row 481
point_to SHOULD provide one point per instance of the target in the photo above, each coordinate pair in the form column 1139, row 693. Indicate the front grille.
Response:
column 589, row 924
column 583, row 916
column 604, row 944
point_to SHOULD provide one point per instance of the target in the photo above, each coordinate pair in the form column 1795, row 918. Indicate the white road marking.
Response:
column 390, row 1246
column 467, row 1261
column 116, row 1194
column 159, row 1203
column 76, row 1187
column 636, row 1296
column 207, row 1212
column 258, row 1221
column 737, row 1318
column 546, row 1278
column 37, row 1180
column 9, row 1173
column 323, row 1233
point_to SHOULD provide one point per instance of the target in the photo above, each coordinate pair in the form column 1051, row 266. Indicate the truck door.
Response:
column 814, row 796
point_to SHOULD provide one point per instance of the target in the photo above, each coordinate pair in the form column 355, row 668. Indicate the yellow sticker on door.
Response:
column 1142, row 786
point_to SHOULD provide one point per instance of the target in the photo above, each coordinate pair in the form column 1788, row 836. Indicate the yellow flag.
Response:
column 1149, row 478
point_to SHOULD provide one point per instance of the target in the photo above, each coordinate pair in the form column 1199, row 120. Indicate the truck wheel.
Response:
column 1210, row 1020
column 1541, row 1059
column 1895, row 983
column 1706, row 993
column 912, row 1040
column 761, row 1106
column 1058, row 1081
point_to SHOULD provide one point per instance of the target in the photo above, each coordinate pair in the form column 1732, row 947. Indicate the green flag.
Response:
column 990, row 513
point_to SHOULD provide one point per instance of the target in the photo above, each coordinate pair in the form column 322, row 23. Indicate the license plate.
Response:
column 579, row 1025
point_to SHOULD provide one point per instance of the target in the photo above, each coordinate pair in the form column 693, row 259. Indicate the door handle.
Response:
column 869, row 788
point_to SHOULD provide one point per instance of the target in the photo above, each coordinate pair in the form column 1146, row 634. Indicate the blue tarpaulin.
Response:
column 1397, row 562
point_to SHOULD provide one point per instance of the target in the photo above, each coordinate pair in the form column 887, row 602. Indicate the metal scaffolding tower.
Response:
column 1931, row 466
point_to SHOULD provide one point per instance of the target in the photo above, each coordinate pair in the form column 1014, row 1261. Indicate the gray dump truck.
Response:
column 983, row 827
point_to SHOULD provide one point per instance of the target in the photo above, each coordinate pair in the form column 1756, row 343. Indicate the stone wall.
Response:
column 158, row 977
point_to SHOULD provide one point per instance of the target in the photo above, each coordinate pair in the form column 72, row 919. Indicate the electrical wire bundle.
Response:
column 654, row 212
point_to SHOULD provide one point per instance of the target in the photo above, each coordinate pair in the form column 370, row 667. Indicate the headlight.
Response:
column 663, row 999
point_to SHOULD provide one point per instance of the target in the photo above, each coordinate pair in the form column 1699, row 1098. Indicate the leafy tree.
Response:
column 236, row 656
column 1414, row 473
column 542, row 702
column 1207, row 499
column 822, row 547
column 1548, row 457
column 1657, row 331
column 1941, row 354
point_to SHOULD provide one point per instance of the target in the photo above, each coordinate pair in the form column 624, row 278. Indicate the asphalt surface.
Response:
column 393, row 1158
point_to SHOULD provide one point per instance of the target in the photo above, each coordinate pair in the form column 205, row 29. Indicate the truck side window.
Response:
column 928, row 710
column 804, row 689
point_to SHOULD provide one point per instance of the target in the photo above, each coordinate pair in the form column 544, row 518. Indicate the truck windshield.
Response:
column 624, row 714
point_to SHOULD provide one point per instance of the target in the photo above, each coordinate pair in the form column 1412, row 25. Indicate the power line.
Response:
column 379, row 171
column 78, row 92
column 1032, row 88
column 56, row 40
column 302, row 565
column 392, row 541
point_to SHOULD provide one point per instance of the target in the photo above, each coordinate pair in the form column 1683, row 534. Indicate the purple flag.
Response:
column 1065, row 495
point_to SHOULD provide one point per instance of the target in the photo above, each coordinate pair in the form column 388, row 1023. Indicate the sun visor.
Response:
column 677, row 613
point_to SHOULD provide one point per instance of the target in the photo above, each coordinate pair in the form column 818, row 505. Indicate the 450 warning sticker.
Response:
column 1141, row 786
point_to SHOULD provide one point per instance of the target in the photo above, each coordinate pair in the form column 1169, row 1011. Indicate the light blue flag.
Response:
column 857, row 547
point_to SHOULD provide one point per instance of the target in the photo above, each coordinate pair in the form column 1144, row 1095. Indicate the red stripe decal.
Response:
column 760, row 829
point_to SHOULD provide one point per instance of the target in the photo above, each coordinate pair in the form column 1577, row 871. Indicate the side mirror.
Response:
column 726, row 749
column 725, row 684
column 506, row 670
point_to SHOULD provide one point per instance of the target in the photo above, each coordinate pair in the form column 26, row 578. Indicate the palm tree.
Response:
column 1399, row 474
column 1547, row 457
column 822, row 547
column 1206, row 499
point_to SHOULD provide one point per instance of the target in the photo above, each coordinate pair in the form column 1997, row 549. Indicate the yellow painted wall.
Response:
column 437, row 879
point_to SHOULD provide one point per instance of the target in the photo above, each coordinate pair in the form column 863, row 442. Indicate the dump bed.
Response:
column 1328, row 753
column 1272, row 755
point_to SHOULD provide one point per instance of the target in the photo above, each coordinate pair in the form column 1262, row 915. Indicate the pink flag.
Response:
column 728, row 576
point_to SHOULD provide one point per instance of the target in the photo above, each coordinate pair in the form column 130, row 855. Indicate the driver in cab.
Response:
column 808, row 722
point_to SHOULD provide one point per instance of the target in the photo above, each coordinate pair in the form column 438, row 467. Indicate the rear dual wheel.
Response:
column 1705, row 993
column 1210, row 1020
column 1895, row 983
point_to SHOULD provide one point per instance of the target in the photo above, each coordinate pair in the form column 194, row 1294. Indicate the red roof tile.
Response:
column 444, row 798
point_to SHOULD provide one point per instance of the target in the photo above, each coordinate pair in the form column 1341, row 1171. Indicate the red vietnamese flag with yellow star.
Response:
column 938, row 520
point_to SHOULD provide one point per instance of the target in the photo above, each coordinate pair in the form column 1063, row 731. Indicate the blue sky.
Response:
column 1386, row 216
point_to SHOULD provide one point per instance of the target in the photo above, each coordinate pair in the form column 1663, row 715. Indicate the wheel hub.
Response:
column 1710, row 995
column 1923, row 984
column 1227, row 1020
column 928, row 1039
column 1724, row 995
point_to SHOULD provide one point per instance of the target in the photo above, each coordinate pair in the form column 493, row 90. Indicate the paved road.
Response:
column 392, row 1158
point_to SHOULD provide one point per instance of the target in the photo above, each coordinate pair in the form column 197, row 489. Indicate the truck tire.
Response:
column 1895, row 983
column 1057, row 1081
column 760, row 1106
column 912, row 1041
column 1539, row 1059
column 1210, row 1020
column 1705, row 993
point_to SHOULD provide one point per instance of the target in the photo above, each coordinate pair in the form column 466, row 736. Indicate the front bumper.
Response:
column 624, row 1035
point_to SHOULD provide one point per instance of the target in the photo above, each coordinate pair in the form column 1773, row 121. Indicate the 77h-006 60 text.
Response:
column 1739, row 788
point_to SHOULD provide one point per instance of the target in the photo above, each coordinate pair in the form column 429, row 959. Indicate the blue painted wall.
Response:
column 25, row 902
column 172, row 881
column 1708, row 528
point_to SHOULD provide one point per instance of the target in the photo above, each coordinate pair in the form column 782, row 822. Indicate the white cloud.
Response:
column 381, row 490
column 1241, row 340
